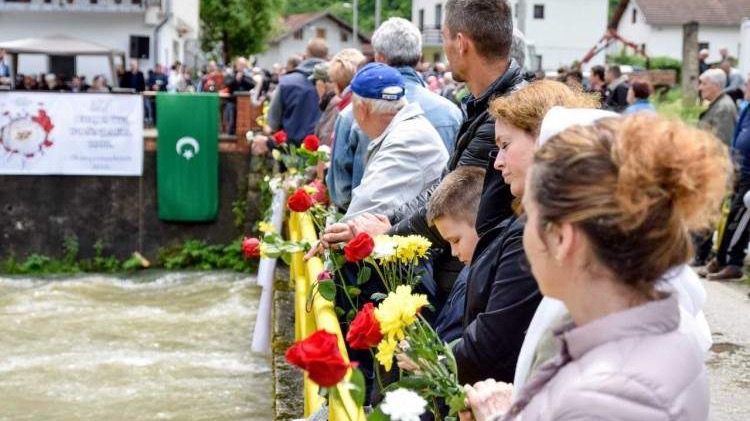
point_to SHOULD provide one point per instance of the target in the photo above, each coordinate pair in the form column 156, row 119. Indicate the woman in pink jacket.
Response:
column 610, row 207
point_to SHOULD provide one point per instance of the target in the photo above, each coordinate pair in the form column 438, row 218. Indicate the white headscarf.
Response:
column 681, row 279
column 558, row 119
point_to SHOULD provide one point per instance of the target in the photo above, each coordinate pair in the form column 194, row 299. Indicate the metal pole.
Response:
column 377, row 12
column 355, row 17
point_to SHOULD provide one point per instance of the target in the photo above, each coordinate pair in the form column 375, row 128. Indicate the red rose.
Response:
column 300, row 201
column 359, row 247
column 280, row 137
column 320, row 356
column 364, row 332
column 311, row 143
column 321, row 195
column 250, row 247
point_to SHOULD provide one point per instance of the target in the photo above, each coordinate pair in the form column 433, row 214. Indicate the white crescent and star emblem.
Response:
column 187, row 153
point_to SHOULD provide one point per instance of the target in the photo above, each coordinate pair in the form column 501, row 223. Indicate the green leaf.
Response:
column 339, row 312
column 358, row 391
column 456, row 403
column 353, row 291
column 327, row 290
column 363, row 275
column 338, row 260
column 378, row 415
column 378, row 296
column 350, row 315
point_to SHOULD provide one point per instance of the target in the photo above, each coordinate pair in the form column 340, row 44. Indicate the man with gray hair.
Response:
column 721, row 114
column 397, row 43
column 405, row 155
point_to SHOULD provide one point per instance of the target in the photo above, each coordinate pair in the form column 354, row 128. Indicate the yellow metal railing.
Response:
column 321, row 316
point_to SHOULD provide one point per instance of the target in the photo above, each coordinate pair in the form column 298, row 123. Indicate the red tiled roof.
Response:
column 679, row 12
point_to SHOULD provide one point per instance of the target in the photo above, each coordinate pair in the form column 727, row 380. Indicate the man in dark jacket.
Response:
column 477, row 37
column 294, row 108
column 133, row 78
column 616, row 92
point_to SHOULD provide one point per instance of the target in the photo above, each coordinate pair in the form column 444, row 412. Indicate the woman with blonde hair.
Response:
column 501, row 294
column 610, row 206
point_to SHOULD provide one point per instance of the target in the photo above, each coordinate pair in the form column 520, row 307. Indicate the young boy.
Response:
column 453, row 211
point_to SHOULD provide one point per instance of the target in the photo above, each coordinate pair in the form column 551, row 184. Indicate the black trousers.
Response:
column 736, row 234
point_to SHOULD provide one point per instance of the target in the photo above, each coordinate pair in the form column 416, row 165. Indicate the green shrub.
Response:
column 665, row 63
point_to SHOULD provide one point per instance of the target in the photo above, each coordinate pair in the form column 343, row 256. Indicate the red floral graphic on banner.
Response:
column 26, row 135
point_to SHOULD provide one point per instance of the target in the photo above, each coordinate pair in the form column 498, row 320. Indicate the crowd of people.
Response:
column 563, row 214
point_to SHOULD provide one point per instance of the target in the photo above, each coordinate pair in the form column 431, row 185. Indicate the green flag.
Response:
column 187, row 156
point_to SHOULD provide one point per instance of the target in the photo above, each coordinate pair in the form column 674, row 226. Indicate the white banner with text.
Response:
column 71, row 134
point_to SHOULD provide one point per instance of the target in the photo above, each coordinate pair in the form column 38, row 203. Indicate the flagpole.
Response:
column 355, row 18
column 377, row 13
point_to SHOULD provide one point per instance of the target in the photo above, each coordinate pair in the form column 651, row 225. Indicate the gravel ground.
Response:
column 728, row 312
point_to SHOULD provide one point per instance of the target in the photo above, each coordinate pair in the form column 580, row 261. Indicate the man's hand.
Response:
column 339, row 232
column 260, row 145
column 372, row 224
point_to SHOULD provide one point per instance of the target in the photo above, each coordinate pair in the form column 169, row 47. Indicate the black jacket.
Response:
column 616, row 99
column 501, row 298
column 134, row 81
column 474, row 142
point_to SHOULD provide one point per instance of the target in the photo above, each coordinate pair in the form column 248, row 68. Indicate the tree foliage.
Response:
column 238, row 27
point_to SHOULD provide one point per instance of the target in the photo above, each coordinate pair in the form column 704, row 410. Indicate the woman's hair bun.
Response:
column 664, row 161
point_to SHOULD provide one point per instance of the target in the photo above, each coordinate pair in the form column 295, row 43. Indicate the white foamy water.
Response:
column 162, row 346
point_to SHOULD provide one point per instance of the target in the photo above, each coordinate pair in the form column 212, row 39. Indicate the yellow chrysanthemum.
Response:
column 292, row 171
column 386, row 348
column 411, row 247
column 276, row 154
column 398, row 310
column 309, row 189
column 266, row 227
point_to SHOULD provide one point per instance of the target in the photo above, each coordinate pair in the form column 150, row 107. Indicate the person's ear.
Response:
column 562, row 240
column 464, row 43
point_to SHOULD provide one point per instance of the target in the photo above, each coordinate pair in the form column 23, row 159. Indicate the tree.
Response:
column 240, row 27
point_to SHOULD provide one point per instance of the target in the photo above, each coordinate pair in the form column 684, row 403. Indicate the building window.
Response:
column 320, row 33
column 538, row 11
column 539, row 62
column 93, row 1
column 344, row 36
column 298, row 34
column 438, row 15
column 634, row 19
column 421, row 19
column 703, row 46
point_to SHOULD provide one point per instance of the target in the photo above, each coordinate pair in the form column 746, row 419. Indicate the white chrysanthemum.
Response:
column 403, row 405
column 326, row 149
column 385, row 247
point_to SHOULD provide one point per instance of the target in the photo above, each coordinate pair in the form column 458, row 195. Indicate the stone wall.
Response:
column 39, row 212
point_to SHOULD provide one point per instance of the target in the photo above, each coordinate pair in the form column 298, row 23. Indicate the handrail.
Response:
column 321, row 316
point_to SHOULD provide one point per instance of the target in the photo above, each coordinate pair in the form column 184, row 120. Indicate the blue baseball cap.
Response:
column 379, row 81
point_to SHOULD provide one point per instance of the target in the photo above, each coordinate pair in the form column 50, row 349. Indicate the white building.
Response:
column 300, row 28
column 561, row 31
column 657, row 24
column 154, row 31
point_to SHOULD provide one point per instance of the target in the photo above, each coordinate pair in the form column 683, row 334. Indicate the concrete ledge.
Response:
column 287, row 381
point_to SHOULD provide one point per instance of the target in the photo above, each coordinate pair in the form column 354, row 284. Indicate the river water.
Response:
column 160, row 346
